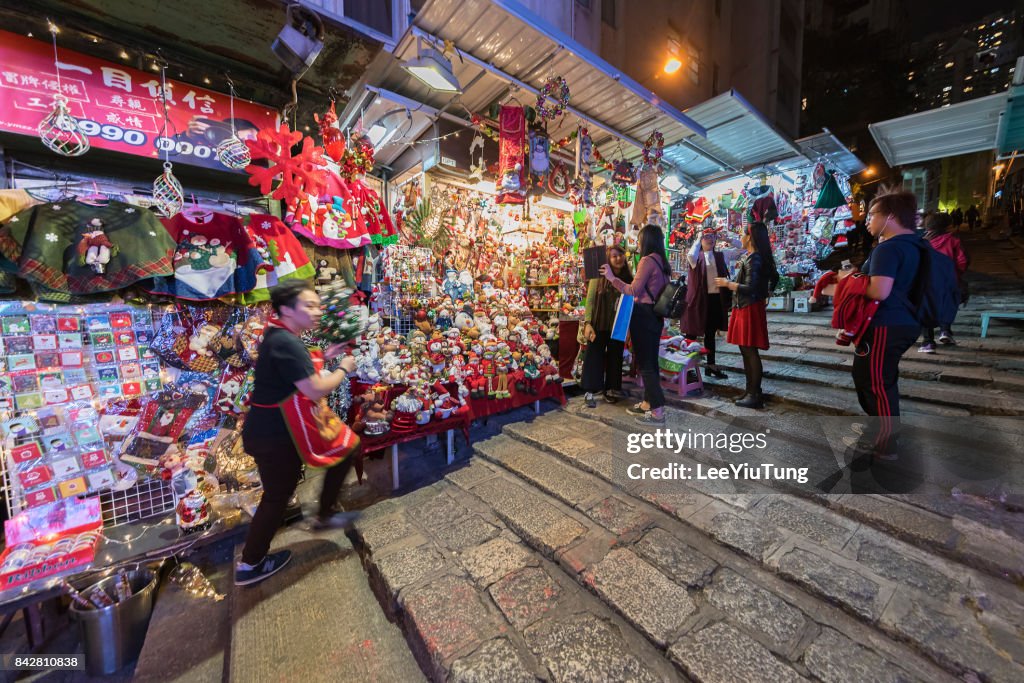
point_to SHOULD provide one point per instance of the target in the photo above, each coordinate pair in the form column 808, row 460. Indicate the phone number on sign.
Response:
column 136, row 138
column 37, row 663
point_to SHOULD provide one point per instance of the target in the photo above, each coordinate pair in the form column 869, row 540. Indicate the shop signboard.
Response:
column 463, row 151
column 118, row 107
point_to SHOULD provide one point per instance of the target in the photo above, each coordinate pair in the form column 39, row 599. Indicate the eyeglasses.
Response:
column 873, row 213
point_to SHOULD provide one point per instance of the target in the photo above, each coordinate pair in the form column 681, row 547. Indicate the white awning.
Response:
column 502, row 50
column 739, row 139
column 949, row 131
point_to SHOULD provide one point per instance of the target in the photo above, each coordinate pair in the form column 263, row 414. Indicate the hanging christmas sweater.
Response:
column 215, row 257
column 368, row 205
column 331, row 219
column 80, row 248
column 281, row 248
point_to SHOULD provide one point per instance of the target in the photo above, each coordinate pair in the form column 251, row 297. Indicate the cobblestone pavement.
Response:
column 531, row 560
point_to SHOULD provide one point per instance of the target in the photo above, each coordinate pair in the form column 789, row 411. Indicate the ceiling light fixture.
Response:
column 433, row 69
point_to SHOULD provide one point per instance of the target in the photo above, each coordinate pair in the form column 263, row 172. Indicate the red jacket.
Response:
column 853, row 310
column 949, row 244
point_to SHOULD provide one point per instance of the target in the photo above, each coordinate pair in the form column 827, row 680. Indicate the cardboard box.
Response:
column 779, row 303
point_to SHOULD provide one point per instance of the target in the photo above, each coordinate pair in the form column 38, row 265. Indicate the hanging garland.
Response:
column 556, row 90
column 654, row 149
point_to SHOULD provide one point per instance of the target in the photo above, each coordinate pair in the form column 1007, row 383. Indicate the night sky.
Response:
column 927, row 17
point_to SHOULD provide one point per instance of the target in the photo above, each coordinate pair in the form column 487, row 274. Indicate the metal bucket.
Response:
column 113, row 636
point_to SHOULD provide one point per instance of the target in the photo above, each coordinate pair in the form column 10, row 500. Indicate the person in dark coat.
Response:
column 707, row 304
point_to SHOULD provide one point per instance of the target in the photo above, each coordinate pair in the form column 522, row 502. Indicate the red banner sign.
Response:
column 118, row 107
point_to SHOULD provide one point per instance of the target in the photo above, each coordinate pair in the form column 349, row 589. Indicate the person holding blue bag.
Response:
column 653, row 274
column 602, row 361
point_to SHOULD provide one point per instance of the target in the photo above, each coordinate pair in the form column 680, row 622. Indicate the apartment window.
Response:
column 693, row 63
column 803, row 104
column 608, row 12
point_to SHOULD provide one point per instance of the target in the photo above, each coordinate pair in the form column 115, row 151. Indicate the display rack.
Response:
column 408, row 272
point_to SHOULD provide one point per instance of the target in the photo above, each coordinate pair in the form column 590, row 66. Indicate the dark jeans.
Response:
column 602, row 363
column 929, row 333
column 280, row 467
column 712, row 324
column 876, row 373
column 645, row 332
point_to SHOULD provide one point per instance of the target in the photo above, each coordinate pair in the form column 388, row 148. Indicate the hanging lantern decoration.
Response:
column 231, row 151
column 625, row 196
column 167, row 192
column 59, row 130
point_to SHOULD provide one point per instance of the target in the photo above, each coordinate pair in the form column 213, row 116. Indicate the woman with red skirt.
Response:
column 748, row 324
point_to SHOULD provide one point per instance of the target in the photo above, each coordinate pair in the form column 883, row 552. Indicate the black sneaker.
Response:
column 270, row 565
column 947, row 339
column 716, row 373
column 636, row 410
column 611, row 397
column 590, row 400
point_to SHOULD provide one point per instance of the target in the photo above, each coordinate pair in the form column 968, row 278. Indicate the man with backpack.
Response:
column 893, row 272
column 945, row 244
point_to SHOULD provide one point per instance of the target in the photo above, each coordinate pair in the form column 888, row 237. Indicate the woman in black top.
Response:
column 284, row 366
column 748, row 328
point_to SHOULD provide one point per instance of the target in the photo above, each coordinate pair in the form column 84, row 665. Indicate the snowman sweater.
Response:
column 215, row 257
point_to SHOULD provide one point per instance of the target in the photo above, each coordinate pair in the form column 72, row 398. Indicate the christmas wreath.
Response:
column 557, row 90
column 654, row 149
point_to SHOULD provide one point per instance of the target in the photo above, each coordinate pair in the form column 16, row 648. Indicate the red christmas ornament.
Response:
column 330, row 133
column 301, row 174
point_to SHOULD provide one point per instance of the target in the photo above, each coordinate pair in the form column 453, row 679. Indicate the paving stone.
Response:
column 399, row 569
column 678, row 504
column 618, row 516
column 834, row 658
column 743, row 501
column 496, row 661
column 467, row 532
column 378, row 510
column 526, row 595
column 494, row 559
column 722, row 654
column 750, row 537
column 585, row 649
column 384, row 533
column 449, row 618
column 678, row 560
column 472, row 474
column 805, row 522
column 850, row 589
column 439, row 511
column 955, row 640
column 541, row 525
column 642, row 594
column 586, row 552
column 889, row 562
column 754, row 607
column 904, row 521
column 545, row 471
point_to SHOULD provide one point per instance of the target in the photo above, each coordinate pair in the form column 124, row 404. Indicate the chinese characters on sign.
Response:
column 119, row 108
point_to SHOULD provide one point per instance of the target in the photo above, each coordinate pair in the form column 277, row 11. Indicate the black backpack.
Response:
column 935, row 295
column 672, row 301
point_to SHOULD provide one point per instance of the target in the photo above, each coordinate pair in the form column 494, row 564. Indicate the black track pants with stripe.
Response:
column 876, row 370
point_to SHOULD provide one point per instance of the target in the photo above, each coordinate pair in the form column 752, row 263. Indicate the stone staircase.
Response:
column 537, row 558
column 806, row 370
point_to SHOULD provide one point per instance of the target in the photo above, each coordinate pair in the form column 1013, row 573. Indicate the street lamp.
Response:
column 673, row 63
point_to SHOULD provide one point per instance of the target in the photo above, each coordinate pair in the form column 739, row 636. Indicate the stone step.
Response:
column 887, row 584
column 470, row 567
column 976, row 400
column 201, row 623
column 315, row 620
column 971, row 530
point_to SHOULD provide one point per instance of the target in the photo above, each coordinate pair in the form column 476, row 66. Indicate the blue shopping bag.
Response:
column 623, row 312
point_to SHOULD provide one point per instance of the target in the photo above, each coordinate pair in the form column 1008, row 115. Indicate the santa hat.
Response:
column 841, row 241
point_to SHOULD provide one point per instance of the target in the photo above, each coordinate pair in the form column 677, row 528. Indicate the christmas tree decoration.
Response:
column 342, row 320
column 167, row 192
column 357, row 158
column 553, row 98
column 188, row 576
column 231, row 151
column 830, row 196
column 654, row 150
column 301, row 174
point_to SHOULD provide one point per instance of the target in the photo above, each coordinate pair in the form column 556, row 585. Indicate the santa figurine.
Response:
column 95, row 249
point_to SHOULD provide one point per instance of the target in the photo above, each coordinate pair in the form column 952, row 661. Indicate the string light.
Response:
column 123, row 55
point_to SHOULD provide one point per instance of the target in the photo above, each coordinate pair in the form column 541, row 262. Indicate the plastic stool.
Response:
column 684, row 386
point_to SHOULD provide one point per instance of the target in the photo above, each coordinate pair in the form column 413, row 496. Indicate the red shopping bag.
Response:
column 320, row 437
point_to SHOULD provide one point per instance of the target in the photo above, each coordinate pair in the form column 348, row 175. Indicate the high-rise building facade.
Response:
column 969, row 61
